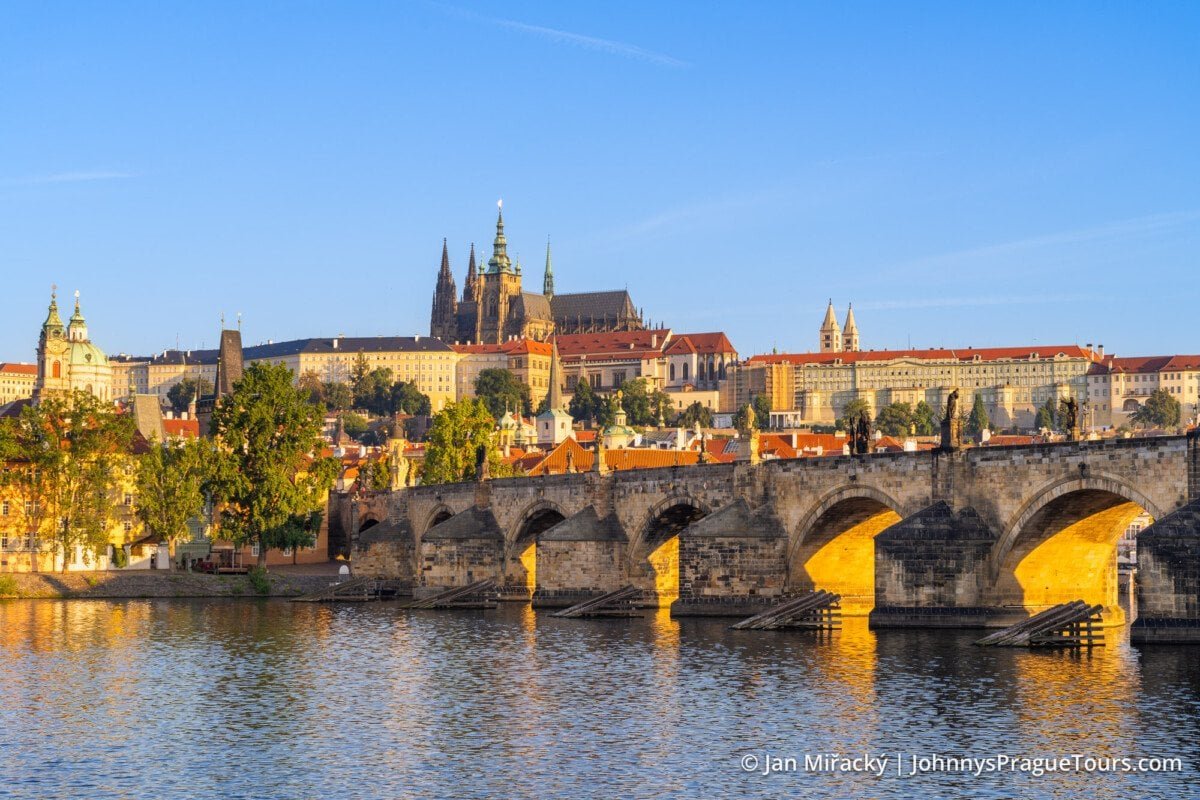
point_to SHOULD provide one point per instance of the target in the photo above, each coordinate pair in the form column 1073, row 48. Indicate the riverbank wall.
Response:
column 122, row 585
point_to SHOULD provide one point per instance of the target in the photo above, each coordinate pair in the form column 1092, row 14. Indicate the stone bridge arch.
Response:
column 654, row 549
column 520, row 557
column 833, row 545
column 1061, row 545
column 435, row 516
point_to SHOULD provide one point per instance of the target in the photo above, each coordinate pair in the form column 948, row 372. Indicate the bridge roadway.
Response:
column 974, row 537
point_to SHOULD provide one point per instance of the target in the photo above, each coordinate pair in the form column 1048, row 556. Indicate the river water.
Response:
column 248, row 699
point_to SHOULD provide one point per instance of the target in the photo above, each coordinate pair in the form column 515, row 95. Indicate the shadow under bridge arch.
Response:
column 834, row 546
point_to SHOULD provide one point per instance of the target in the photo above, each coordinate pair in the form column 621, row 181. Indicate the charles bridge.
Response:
column 972, row 537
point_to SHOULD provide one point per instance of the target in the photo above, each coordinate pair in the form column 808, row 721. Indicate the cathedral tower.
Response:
column 831, row 333
column 443, row 320
column 850, row 332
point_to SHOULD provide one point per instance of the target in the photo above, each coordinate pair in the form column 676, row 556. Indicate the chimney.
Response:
column 416, row 338
column 654, row 340
column 335, row 344
column 1100, row 350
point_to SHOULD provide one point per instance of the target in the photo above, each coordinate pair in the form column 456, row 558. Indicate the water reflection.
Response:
column 270, row 699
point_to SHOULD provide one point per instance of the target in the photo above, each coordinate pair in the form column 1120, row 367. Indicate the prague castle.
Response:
column 494, row 308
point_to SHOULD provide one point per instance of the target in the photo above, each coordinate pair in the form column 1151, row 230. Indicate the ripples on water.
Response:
column 269, row 699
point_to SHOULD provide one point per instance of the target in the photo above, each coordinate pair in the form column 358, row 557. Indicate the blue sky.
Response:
column 965, row 173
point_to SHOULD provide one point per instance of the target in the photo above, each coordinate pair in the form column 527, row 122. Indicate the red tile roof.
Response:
column 624, row 343
column 715, row 343
column 1144, row 364
column 18, row 369
column 183, row 428
column 555, row 462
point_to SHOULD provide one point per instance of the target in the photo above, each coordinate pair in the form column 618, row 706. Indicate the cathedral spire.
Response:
column 548, row 280
column 445, row 270
column 555, row 402
column 53, row 323
column 443, row 322
column 499, row 262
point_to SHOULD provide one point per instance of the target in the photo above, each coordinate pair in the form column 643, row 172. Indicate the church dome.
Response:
column 85, row 354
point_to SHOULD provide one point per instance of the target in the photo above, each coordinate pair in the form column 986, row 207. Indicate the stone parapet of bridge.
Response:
column 975, row 536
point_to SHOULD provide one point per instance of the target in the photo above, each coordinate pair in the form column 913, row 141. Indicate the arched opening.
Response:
column 685, row 371
column 440, row 516
column 367, row 524
column 520, row 564
column 1130, row 406
column 835, row 550
column 672, row 372
column 1064, row 547
column 660, row 543
column 56, row 369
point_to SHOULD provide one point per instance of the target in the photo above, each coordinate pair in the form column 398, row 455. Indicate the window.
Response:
column 128, row 499
column 4, row 509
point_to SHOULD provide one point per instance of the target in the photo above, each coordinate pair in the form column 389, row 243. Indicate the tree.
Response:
column 643, row 405
column 585, row 404
column 310, row 383
column 1046, row 416
column 269, row 477
column 696, row 412
column 925, row 419
column 1160, row 410
column 337, row 396
column 170, row 486
column 500, row 389
column 406, row 398
column 761, row 403
column 355, row 425
column 978, row 422
column 896, row 419
column 20, row 439
column 73, row 448
column 850, row 414
column 181, row 394
column 358, row 374
column 373, row 391
column 458, row 432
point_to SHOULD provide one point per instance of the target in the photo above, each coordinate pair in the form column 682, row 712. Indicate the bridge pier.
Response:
column 731, row 563
column 1168, row 579
column 579, row 558
column 466, row 548
column 932, row 570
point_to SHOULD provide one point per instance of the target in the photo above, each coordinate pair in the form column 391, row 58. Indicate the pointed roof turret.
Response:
column 548, row 279
column 850, row 324
column 472, row 277
column 53, row 324
column 77, row 328
column 556, row 399
column 830, row 317
column 499, row 262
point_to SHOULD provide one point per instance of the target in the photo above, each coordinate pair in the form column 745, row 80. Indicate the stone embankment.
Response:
column 111, row 585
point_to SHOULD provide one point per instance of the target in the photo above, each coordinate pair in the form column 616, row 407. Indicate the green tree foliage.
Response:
column 269, row 477
column 170, row 486
column 644, row 405
column 925, row 419
column 457, row 433
column 373, row 392
column 978, row 422
column 358, row 374
column 500, row 389
column 337, row 396
column 850, row 414
column 406, row 398
column 182, row 393
column 696, row 412
column 745, row 419
column 1047, row 416
column 585, row 405
column 1160, row 410
column 896, row 419
column 310, row 383
column 73, row 449
column 355, row 425
column 761, row 404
